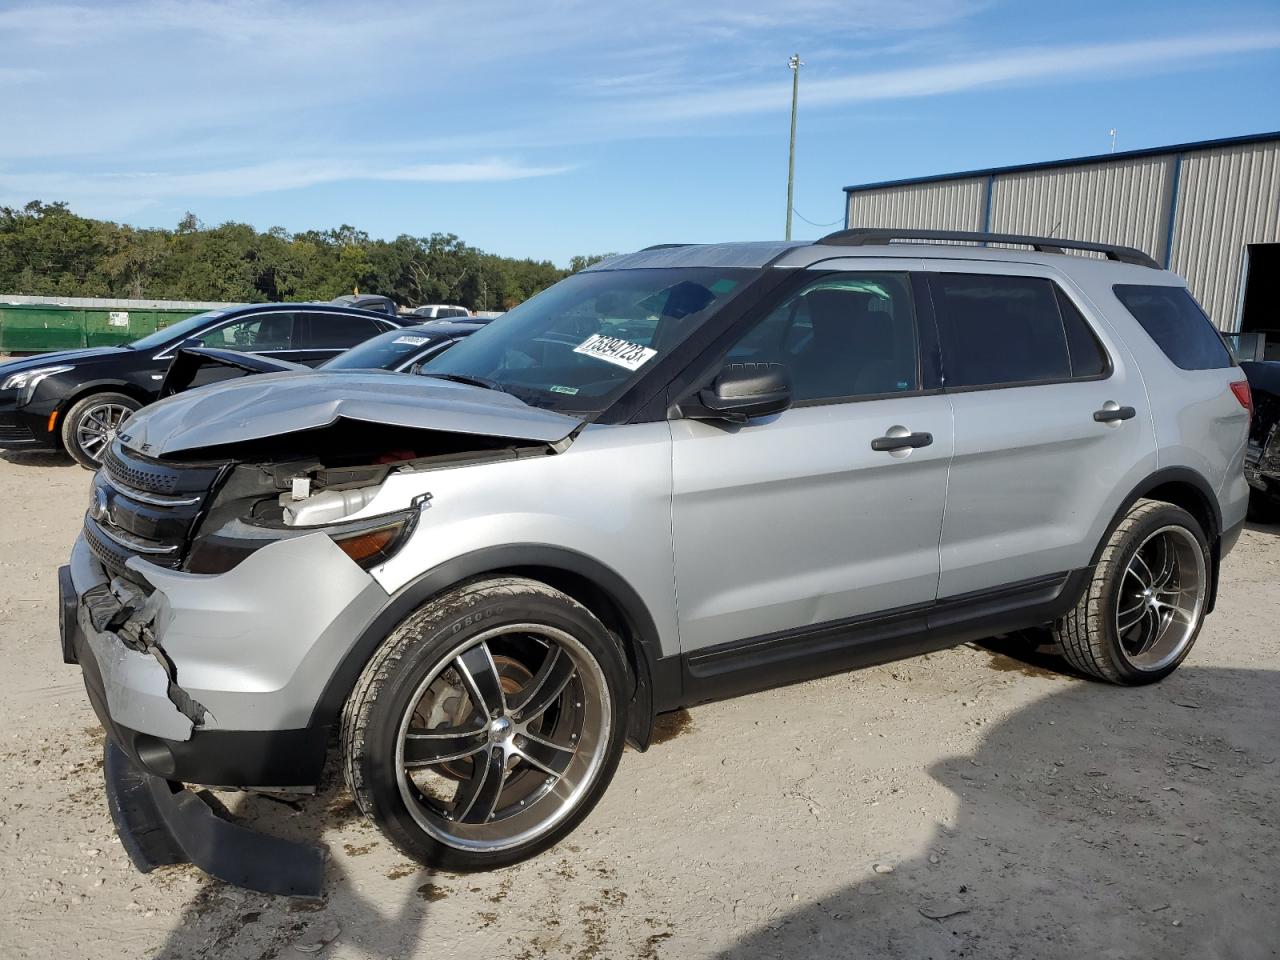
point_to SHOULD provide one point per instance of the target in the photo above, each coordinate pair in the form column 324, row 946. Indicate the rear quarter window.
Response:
column 1173, row 319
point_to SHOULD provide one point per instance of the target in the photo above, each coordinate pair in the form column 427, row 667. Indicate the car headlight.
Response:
column 368, row 542
column 26, row 381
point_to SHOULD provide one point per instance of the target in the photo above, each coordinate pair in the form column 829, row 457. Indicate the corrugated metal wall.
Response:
column 1227, row 198
column 950, row 205
column 1112, row 203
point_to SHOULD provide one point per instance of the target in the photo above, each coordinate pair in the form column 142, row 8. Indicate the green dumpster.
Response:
column 39, row 327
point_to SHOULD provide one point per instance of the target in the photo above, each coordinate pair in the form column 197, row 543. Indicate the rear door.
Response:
column 326, row 334
column 794, row 524
column 1051, row 424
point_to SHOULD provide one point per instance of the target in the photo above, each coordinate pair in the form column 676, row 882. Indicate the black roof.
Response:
column 312, row 307
column 1073, row 161
column 442, row 328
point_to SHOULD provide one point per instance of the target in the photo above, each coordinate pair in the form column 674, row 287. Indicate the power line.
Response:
column 811, row 223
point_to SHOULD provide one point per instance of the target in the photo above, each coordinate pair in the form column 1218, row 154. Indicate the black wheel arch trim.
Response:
column 653, row 675
column 83, row 390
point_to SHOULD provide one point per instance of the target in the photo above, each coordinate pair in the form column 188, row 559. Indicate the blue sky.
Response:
column 563, row 127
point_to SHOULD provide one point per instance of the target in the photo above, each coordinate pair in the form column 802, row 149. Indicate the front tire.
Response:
column 487, row 725
column 1142, row 611
column 91, row 424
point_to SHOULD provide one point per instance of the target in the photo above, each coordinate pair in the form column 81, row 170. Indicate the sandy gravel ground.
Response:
column 964, row 804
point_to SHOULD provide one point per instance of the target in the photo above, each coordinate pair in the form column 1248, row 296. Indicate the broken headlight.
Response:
column 368, row 542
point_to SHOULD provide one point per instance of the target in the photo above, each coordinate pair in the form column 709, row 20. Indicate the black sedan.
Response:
column 76, row 399
column 401, row 351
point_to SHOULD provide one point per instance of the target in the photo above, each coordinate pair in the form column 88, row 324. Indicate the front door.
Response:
column 823, row 513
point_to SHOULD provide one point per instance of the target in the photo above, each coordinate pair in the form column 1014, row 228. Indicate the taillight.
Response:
column 1241, row 389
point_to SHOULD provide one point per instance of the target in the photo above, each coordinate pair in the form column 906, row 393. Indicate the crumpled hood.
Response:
column 275, row 404
column 58, row 358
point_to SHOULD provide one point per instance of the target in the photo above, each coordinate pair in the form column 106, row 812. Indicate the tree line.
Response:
column 46, row 250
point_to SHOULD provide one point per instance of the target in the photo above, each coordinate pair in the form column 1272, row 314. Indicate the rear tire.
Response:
column 504, row 678
column 91, row 424
column 1142, row 611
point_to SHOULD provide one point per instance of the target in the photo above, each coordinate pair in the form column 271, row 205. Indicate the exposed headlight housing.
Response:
column 26, row 381
column 368, row 542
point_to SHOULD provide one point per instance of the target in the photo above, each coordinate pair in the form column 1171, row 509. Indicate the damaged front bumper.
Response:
column 213, row 680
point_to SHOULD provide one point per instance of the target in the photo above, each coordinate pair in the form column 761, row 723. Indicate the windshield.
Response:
column 385, row 351
column 175, row 331
column 577, row 345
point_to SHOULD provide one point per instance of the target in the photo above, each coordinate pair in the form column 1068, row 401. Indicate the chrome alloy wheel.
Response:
column 503, row 737
column 97, row 427
column 1161, row 598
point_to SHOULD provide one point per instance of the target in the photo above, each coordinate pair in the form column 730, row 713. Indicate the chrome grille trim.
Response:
column 135, row 544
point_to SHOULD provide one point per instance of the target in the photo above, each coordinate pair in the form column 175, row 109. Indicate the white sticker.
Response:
column 615, row 350
column 118, row 318
column 570, row 391
column 412, row 341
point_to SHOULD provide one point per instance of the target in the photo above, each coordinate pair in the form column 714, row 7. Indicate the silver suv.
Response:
column 680, row 475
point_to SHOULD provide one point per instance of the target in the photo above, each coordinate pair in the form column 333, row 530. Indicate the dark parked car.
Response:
column 400, row 351
column 76, row 399
column 369, row 301
column 1262, row 460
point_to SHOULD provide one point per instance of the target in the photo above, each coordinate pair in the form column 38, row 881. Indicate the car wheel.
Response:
column 1140, row 614
column 91, row 424
column 487, row 725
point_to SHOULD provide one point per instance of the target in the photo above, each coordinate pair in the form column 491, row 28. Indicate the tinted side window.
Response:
column 263, row 331
column 843, row 336
column 999, row 330
column 1174, row 320
column 336, row 331
column 1087, row 356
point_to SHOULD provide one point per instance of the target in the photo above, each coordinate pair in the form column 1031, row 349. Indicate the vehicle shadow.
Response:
column 1098, row 821
column 229, row 923
column 37, row 458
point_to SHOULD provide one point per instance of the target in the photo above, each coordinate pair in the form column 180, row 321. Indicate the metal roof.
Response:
column 1073, row 161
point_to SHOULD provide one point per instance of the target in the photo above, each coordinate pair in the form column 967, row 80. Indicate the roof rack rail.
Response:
column 874, row 236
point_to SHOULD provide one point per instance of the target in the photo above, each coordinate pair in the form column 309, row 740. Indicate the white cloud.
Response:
column 114, row 106
column 135, row 188
column 1023, row 66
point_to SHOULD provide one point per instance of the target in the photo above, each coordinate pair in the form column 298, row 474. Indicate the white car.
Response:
column 440, row 311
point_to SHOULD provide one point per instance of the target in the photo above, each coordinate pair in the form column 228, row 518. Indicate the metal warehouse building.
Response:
column 1209, row 211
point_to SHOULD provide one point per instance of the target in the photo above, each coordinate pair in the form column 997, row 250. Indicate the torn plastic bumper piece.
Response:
column 162, row 823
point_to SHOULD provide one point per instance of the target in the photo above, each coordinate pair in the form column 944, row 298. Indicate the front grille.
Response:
column 15, row 434
column 147, row 508
column 139, row 477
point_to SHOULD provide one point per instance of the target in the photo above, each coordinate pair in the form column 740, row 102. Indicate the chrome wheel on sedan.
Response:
column 89, row 427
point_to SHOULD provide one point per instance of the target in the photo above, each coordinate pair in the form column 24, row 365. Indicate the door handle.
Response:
column 901, row 441
column 1111, row 412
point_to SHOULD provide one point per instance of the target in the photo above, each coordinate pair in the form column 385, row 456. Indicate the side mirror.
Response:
column 744, row 391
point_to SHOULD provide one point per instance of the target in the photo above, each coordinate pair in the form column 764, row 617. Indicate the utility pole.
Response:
column 795, row 65
column 1113, row 139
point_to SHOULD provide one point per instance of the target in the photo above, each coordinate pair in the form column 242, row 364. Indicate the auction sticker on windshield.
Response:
column 412, row 341
column 615, row 350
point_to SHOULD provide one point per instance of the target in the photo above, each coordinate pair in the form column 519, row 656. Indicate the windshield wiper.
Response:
column 470, row 381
